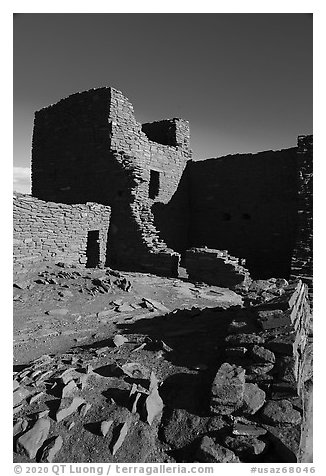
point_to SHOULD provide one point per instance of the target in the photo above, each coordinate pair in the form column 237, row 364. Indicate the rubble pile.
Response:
column 251, row 406
column 55, row 397
column 216, row 267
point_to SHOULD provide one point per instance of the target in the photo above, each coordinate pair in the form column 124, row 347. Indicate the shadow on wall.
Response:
column 246, row 204
column 173, row 219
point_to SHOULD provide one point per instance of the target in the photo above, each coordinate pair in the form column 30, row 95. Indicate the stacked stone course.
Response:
column 47, row 231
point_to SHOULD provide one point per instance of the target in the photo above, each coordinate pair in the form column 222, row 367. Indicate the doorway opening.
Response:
column 93, row 249
column 154, row 184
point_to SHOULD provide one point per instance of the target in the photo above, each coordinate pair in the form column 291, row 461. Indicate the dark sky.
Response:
column 244, row 81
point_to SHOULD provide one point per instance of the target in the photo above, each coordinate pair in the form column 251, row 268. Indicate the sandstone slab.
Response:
column 51, row 449
column 64, row 412
column 280, row 412
column 260, row 354
column 253, row 398
column 31, row 441
column 210, row 452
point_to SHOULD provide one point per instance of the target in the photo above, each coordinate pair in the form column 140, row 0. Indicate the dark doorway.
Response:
column 93, row 249
column 154, row 184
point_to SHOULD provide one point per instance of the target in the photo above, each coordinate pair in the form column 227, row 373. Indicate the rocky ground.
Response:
column 112, row 367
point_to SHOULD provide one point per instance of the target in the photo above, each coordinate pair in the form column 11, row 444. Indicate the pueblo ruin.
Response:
column 176, row 294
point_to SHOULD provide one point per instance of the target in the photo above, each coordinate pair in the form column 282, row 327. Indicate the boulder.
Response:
column 210, row 452
column 227, row 389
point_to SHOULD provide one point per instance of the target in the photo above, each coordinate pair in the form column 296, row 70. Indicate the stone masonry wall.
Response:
column 302, row 256
column 89, row 147
column 247, row 204
column 48, row 231
column 260, row 384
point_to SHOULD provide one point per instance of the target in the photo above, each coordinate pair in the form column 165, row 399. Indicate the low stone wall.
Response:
column 47, row 231
column 260, row 386
column 215, row 267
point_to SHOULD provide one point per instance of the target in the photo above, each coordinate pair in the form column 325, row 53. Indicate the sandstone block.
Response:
column 210, row 452
column 227, row 389
column 31, row 441
column 253, row 398
column 280, row 412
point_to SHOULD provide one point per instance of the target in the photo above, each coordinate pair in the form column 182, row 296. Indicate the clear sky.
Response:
column 244, row 81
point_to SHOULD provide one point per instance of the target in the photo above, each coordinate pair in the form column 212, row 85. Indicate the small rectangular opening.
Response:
column 154, row 184
column 93, row 249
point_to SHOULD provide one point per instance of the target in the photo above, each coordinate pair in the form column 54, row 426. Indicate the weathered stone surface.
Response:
column 84, row 409
column 245, row 445
column 215, row 424
column 259, row 285
column 35, row 397
column 68, row 389
column 64, row 412
column 67, row 375
column 274, row 318
column 19, row 395
column 17, row 409
column 179, row 427
column 286, row 441
column 239, row 340
column 260, row 354
column 105, row 427
column 210, row 452
column 31, row 441
column 20, row 426
column 227, row 389
column 51, row 449
column 253, row 398
column 247, row 429
column 260, row 369
column 261, row 379
column 285, row 344
column 280, row 412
